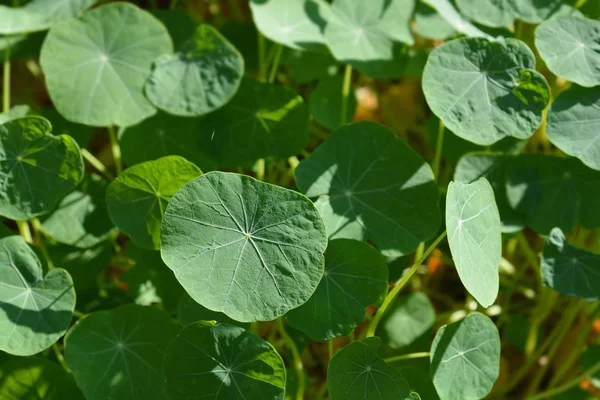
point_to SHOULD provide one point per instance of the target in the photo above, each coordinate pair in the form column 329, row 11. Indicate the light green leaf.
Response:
column 486, row 90
column 137, row 199
column 364, row 193
column 15, row 21
column 117, row 354
column 36, row 310
column 535, row 11
column 298, row 24
column 189, row 311
column 59, row 10
column 222, row 361
column 569, row 46
column 569, row 270
column 201, row 77
column 574, row 124
column 96, row 66
column 165, row 135
column 492, row 13
column 36, row 168
column 262, row 120
column 447, row 11
column 471, row 346
column 430, row 24
column 36, row 378
column 475, row 237
column 406, row 320
column 14, row 113
column 325, row 103
column 81, row 218
column 355, row 277
column 243, row 247
column 357, row 372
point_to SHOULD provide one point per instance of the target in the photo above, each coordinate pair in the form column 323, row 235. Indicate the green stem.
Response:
column 173, row 4
column 115, row 148
column 401, row 283
column 330, row 348
column 573, row 382
column 296, row 359
column 346, row 93
column 580, row 4
column 25, row 231
column 407, row 357
column 59, row 357
column 94, row 162
column 6, row 78
column 37, row 228
column 78, row 314
column 262, row 66
column 260, row 169
column 438, row 150
column 275, row 65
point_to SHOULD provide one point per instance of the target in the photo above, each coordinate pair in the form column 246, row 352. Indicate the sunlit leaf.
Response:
column 447, row 11
column 430, row 24
column 493, row 13
column 59, row 10
column 21, row 20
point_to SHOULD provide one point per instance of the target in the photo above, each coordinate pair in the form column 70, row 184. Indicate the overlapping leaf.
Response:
column 493, row 13
column 406, row 320
column 59, row 10
column 14, row 113
column 446, row 10
column 325, row 103
column 15, row 21
column 189, row 311
column 430, row 24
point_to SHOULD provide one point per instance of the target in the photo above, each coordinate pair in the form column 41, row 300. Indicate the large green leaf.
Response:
column 26, row 378
column 201, row 77
column 569, row 46
column 574, row 124
column 262, row 120
column 355, row 277
column 357, row 372
column 117, row 354
column 486, row 90
column 298, row 24
column 36, row 310
column 81, row 218
column 368, row 35
column 447, row 11
column 465, row 358
column 307, row 66
column 222, row 362
column 96, row 66
column 372, row 186
column 189, row 311
column 475, row 237
column 165, row 135
column 553, row 192
column 493, row 13
column 325, row 102
column 59, row 10
column 243, row 247
column 569, row 270
column 15, row 21
column 137, row 199
column 36, row 168
column 407, row 319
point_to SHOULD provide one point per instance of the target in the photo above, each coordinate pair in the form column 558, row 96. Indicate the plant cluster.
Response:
column 303, row 199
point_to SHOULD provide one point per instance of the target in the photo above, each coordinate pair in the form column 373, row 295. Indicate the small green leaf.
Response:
column 569, row 46
column 81, row 218
column 475, row 238
column 117, row 354
column 200, row 78
column 492, row 13
column 574, row 124
column 59, row 10
column 357, row 372
column 36, row 168
column 96, row 66
column 355, row 277
column 36, row 378
column 447, row 11
column 486, row 90
column 407, row 319
column 189, row 311
column 137, row 199
column 325, row 103
column 472, row 347
column 364, row 193
column 15, row 21
column 222, row 361
column 36, row 310
column 243, row 247
column 569, row 270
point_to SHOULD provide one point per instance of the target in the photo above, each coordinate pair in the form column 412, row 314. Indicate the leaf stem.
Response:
column 330, row 348
column 6, row 78
column 60, row 358
column 400, row 284
column 78, row 314
column 346, row 93
column 573, row 382
column 115, row 148
column 275, row 65
column 24, row 231
column 94, row 162
column 262, row 66
column 407, row 357
column 260, row 169
column 37, row 227
column 297, row 360
column 438, row 150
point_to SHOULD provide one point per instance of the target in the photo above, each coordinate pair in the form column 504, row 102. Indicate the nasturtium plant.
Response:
column 325, row 103
column 408, row 318
column 447, row 11
column 14, row 113
column 429, row 24
column 492, row 13
column 222, row 360
column 59, row 10
column 189, row 312
column 20, row 20
column 36, row 167
column 36, row 309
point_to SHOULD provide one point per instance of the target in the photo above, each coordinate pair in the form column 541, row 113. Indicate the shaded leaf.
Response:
column 189, row 312
column 406, row 320
column 325, row 103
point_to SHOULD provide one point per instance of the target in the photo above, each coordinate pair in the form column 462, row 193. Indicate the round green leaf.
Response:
column 406, row 320
column 492, row 13
column 222, row 361
column 574, row 124
column 117, row 354
column 36, row 378
column 81, row 218
column 200, row 78
column 189, row 311
column 475, row 237
column 364, row 193
column 96, row 66
column 243, row 247
column 470, row 346
column 569, row 46
column 446, row 10
column 486, row 90
column 569, row 270
column 137, row 199
column 165, row 135
column 36, row 310
column 297, row 24
column 357, row 372
column 535, row 11
column 59, row 10
column 355, row 277
column 262, row 120
column 325, row 103
column 15, row 21
column 36, row 168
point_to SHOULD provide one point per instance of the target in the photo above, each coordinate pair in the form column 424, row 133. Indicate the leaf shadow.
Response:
column 449, row 331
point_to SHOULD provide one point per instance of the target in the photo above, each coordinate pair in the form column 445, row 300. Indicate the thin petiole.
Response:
column 6, row 78
column 346, row 93
column 24, row 231
column 296, row 359
column 115, row 148
column 410, row 356
column 438, row 150
column 94, row 162
column 275, row 65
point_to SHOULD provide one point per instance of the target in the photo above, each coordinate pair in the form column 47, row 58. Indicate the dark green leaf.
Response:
column 590, row 358
column 325, row 103
column 406, row 320
column 190, row 311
